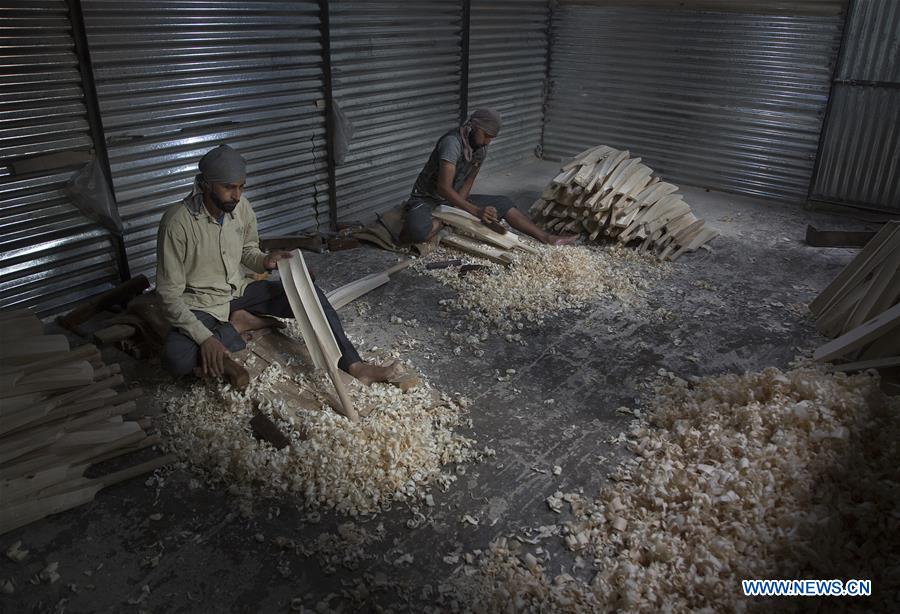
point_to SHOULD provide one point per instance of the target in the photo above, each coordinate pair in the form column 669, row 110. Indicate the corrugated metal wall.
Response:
column 507, row 69
column 726, row 100
column 52, row 255
column 859, row 162
column 396, row 75
column 178, row 77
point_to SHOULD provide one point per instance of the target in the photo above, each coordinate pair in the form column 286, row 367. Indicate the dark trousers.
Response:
column 417, row 224
column 181, row 355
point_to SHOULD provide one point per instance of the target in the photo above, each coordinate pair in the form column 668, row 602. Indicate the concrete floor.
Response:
column 732, row 312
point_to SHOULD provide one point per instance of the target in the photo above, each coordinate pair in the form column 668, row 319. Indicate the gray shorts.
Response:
column 417, row 225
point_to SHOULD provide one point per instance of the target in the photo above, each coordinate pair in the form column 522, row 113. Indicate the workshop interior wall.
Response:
column 731, row 100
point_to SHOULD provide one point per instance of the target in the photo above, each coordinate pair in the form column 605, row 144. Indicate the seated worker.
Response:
column 448, row 177
column 201, row 245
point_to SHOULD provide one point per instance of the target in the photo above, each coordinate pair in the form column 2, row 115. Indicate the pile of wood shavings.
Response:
column 735, row 477
column 392, row 456
column 536, row 286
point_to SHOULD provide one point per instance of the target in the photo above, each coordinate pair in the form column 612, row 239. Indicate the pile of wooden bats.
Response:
column 605, row 192
column 860, row 309
column 61, row 414
column 472, row 236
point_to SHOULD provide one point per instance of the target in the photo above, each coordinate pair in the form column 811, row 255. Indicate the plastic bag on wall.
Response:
column 89, row 191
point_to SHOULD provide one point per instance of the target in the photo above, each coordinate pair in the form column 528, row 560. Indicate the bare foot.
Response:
column 244, row 321
column 560, row 239
column 369, row 374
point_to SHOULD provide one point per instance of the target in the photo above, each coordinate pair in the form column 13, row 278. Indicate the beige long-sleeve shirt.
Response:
column 199, row 261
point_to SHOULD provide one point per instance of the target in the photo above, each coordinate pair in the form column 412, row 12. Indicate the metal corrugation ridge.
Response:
column 176, row 78
column 765, row 7
column 872, row 52
column 722, row 100
column 507, row 72
column 859, row 164
column 52, row 255
column 396, row 75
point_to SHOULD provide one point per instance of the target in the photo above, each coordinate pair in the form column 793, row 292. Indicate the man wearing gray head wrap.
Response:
column 447, row 179
column 210, row 303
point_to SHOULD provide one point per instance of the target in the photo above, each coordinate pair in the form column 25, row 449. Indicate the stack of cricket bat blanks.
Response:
column 605, row 192
column 860, row 309
column 60, row 413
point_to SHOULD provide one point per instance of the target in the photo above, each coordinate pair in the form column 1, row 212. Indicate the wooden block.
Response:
column 113, row 334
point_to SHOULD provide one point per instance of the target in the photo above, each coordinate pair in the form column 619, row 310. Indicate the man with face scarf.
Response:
column 201, row 245
column 448, row 177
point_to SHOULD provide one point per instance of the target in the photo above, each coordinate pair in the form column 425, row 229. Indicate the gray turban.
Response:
column 223, row 165
column 486, row 119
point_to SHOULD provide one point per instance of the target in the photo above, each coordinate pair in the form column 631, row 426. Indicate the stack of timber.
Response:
column 472, row 236
column 861, row 307
column 605, row 192
column 61, row 414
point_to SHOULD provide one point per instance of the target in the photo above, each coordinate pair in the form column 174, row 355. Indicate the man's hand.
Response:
column 488, row 215
column 271, row 261
column 212, row 357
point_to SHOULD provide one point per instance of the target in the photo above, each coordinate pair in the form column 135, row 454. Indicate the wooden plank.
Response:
column 856, row 270
column 47, row 458
column 469, row 223
column 882, row 277
column 862, row 365
column 31, row 349
column 72, row 375
column 353, row 290
column 887, row 344
column 860, row 336
column 68, row 495
column 587, row 154
column 20, row 443
column 703, row 237
column 477, row 249
column 41, row 364
column 20, row 327
column 42, row 404
column 316, row 333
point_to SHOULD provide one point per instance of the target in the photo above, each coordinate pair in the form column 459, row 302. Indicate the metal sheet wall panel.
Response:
column 872, row 42
column 52, row 256
column 859, row 163
column 176, row 78
column 725, row 100
column 507, row 71
column 396, row 75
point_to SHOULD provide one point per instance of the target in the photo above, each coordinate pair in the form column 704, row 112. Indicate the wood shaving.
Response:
column 536, row 286
column 733, row 477
column 395, row 455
